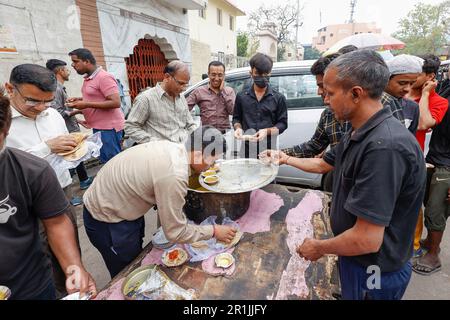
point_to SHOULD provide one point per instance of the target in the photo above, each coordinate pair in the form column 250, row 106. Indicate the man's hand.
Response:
column 74, row 99
column 78, row 104
column 276, row 157
column 224, row 233
column 309, row 250
column 222, row 85
column 261, row 134
column 448, row 196
column 79, row 280
column 238, row 133
column 429, row 86
column 61, row 144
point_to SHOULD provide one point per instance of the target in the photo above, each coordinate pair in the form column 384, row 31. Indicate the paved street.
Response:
column 434, row 287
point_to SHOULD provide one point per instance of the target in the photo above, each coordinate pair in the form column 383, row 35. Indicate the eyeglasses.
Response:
column 30, row 102
column 180, row 83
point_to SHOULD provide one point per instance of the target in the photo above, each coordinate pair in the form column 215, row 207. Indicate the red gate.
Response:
column 145, row 66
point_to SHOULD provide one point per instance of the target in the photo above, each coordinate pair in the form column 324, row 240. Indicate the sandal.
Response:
column 425, row 270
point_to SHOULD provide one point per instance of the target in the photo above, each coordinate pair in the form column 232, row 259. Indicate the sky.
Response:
column 319, row 13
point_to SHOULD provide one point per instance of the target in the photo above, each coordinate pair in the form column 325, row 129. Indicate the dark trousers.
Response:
column 59, row 276
column 49, row 293
column 354, row 278
column 111, row 140
column 118, row 243
column 81, row 172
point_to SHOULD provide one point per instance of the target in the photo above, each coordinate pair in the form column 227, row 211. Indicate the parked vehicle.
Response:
column 295, row 81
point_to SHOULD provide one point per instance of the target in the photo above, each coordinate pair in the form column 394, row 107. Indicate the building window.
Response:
column 202, row 13
column 231, row 23
column 331, row 35
column 219, row 17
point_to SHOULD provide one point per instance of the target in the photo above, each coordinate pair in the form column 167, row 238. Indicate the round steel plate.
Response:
column 242, row 175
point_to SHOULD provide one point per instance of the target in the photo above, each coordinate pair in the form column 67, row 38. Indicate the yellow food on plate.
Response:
column 224, row 260
column 209, row 173
column 211, row 180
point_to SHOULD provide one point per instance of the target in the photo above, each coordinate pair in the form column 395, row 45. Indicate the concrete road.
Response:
column 434, row 287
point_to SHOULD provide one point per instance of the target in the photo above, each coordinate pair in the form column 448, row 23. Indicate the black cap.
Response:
column 52, row 64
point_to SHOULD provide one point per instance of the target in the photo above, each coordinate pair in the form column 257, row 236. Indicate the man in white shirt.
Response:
column 39, row 130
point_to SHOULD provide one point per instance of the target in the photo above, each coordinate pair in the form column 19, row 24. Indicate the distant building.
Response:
column 213, row 35
column 331, row 34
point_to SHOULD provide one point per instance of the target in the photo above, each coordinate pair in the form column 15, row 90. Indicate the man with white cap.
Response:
column 404, row 70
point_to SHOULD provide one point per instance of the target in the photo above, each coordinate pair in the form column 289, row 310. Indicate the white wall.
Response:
column 41, row 30
column 208, row 31
column 121, row 34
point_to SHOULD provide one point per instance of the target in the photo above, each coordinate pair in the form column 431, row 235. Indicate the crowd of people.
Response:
column 369, row 145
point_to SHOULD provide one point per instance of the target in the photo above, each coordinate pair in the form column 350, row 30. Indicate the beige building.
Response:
column 213, row 36
column 329, row 35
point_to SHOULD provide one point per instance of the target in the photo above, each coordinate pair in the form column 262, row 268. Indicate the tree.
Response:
column 285, row 16
column 311, row 54
column 242, row 44
column 425, row 29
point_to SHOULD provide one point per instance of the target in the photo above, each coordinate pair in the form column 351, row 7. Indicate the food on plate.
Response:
column 5, row 293
column 209, row 173
column 175, row 257
column 211, row 180
column 80, row 141
column 224, row 260
column 78, row 154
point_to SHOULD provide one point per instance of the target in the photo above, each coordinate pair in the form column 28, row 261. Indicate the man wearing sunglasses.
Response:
column 39, row 130
column 161, row 112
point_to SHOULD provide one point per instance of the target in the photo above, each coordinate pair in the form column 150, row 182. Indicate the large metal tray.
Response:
column 242, row 175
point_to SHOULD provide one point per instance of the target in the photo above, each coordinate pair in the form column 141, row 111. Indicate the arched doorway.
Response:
column 145, row 67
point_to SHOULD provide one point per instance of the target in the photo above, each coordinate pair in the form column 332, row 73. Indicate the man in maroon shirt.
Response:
column 215, row 100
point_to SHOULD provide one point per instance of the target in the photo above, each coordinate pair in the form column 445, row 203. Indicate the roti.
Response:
column 234, row 242
column 79, row 139
column 78, row 154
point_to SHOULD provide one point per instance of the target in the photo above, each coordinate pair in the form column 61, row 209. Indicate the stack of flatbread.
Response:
column 79, row 151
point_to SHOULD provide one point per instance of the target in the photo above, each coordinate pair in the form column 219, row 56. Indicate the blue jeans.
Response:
column 354, row 280
column 119, row 243
column 111, row 144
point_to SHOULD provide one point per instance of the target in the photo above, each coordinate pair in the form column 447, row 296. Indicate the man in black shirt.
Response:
column 378, row 183
column 437, row 209
column 260, row 113
column 30, row 191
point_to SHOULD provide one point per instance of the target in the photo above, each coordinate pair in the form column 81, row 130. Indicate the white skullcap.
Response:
column 405, row 63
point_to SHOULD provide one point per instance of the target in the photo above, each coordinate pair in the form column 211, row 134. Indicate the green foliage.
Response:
column 311, row 54
column 425, row 29
column 242, row 44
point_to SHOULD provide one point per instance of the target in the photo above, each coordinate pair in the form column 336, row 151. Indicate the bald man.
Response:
column 162, row 113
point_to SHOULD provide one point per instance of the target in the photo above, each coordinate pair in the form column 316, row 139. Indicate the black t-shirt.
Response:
column 379, row 177
column 29, row 191
column 439, row 147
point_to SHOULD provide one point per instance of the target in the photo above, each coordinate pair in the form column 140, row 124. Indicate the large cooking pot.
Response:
column 201, row 203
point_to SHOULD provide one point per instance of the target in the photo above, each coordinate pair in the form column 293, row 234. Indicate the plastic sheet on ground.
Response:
column 212, row 246
column 158, row 286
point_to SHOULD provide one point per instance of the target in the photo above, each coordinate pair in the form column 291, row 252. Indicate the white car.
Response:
column 295, row 81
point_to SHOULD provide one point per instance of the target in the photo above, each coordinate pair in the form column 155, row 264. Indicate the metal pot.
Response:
column 201, row 203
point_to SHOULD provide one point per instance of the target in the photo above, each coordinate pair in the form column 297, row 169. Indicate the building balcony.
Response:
column 188, row 4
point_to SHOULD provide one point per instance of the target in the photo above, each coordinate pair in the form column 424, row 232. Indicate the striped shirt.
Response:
column 155, row 116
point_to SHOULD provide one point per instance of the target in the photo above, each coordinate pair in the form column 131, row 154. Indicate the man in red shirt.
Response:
column 432, row 110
